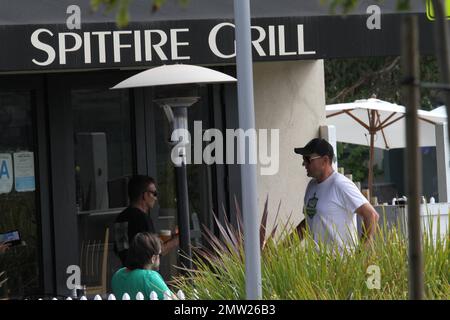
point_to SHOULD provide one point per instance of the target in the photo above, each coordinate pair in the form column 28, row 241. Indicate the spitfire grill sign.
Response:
column 159, row 45
column 93, row 45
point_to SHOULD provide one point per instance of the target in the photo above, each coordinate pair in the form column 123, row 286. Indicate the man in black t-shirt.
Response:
column 134, row 219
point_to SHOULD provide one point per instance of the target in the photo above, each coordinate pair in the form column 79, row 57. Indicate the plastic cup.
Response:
column 165, row 235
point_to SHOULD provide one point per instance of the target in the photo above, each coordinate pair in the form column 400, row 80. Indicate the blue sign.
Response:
column 6, row 173
column 4, row 169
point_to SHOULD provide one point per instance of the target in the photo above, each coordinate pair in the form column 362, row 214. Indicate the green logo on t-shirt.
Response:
column 310, row 209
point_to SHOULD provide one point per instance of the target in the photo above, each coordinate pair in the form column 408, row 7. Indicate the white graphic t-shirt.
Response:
column 329, row 209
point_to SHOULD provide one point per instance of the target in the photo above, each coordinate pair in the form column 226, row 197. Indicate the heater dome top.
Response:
column 174, row 75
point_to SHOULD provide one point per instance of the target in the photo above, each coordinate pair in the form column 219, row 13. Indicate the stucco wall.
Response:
column 289, row 96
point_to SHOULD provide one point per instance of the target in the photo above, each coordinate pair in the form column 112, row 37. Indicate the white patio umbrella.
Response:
column 440, row 112
column 378, row 124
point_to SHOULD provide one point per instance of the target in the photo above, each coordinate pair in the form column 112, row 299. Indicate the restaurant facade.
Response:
column 69, row 144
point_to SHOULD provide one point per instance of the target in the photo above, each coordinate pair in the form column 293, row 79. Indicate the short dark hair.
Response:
column 138, row 185
column 142, row 248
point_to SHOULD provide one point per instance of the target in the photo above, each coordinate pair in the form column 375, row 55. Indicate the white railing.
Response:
column 432, row 214
column 139, row 296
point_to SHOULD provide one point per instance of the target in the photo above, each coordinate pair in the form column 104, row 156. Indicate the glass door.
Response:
column 20, row 264
column 103, row 164
column 93, row 152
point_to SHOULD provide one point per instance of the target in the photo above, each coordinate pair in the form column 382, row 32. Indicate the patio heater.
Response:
column 176, row 111
column 176, row 91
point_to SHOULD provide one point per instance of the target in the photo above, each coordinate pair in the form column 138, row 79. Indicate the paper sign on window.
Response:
column 6, row 173
column 24, row 171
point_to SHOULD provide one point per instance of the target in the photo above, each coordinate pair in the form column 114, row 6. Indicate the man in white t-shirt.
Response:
column 331, row 200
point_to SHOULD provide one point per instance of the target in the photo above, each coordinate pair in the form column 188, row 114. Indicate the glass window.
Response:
column 103, row 148
column 18, row 194
column 104, row 162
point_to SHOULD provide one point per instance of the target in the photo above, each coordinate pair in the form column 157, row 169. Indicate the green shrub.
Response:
column 294, row 269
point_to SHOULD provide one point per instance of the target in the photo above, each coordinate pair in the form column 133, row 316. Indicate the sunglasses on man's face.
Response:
column 155, row 193
column 308, row 159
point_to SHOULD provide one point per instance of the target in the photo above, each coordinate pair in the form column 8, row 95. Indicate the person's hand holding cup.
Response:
column 165, row 235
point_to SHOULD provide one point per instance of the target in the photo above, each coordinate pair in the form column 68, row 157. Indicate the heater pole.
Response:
column 183, row 216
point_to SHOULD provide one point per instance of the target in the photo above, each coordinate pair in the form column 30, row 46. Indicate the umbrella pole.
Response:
column 372, row 129
column 370, row 179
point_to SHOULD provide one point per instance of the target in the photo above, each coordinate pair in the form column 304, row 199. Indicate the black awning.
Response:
column 38, row 39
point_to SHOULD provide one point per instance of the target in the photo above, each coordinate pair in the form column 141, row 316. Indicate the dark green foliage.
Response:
column 345, row 5
column 347, row 80
column 402, row 5
column 355, row 159
column 349, row 5
column 123, row 16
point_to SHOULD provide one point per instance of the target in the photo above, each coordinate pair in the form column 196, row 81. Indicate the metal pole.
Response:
column 248, row 171
column 410, row 66
column 442, row 49
column 180, row 122
column 176, row 110
column 371, row 154
column 183, row 216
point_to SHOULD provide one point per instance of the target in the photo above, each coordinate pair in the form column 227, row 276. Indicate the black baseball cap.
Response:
column 316, row 145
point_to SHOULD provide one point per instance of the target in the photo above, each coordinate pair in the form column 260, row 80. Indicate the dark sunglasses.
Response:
column 155, row 193
column 308, row 159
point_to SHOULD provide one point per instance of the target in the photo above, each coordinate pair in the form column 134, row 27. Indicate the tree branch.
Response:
column 349, row 90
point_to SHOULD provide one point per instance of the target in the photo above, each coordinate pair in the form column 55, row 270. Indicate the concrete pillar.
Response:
column 329, row 133
column 443, row 162
column 290, row 97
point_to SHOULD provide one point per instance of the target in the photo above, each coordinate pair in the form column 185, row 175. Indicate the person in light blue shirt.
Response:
column 140, row 273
